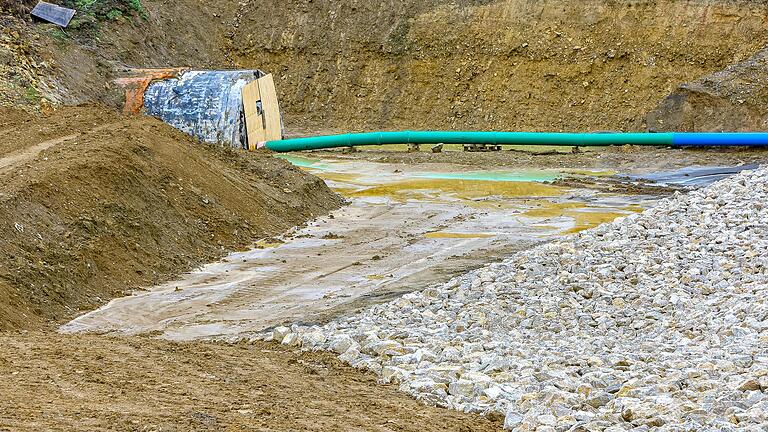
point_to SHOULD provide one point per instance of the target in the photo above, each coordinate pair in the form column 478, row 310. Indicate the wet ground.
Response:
column 406, row 226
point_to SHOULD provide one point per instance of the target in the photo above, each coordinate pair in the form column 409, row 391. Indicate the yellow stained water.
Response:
column 337, row 177
column 266, row 244
column 443, row 234
column 464, row 189
column 549, row 209
column 343, row 190
column 584, row 216
column 590, row 219
column 480, row 194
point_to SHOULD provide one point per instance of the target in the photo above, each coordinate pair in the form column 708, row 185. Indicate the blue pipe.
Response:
column 720, row 139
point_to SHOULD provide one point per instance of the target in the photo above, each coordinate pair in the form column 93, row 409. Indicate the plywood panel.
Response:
column 254, row 116
column 272, row 125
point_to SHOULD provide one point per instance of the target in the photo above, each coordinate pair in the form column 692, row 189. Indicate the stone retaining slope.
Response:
column 657, row 320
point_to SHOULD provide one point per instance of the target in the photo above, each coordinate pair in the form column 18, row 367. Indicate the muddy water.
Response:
column 405, row 227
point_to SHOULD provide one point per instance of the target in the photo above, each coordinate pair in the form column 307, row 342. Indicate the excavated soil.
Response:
column 94, row 204
column 426, row 64
column 489, row 64
column 41, row 63
column 65, row 383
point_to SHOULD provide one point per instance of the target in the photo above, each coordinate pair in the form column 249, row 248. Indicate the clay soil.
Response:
column 65, row 383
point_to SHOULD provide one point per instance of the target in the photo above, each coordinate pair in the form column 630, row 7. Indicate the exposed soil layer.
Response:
column 485, row 64
column 41, row 63
column 733, row 99
column 357, row 65
column 54, row 382
column 93, row 204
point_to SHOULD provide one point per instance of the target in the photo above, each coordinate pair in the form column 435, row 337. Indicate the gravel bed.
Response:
column 657, row 321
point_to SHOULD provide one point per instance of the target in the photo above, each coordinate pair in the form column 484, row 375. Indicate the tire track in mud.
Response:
column 29, row 153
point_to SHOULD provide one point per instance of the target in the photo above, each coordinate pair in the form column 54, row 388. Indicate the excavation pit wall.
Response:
column 489, row 65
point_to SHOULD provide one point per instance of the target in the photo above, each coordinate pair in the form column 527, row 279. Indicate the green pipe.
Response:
column 434, row 137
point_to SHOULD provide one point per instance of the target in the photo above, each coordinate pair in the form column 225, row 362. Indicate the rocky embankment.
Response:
column 733, row 99
column 657, row 320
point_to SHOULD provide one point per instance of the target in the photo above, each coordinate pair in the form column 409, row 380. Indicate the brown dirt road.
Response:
column 65, row 383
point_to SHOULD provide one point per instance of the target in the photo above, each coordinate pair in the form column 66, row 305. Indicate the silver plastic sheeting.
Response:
column 205, row 104
column 52, row 13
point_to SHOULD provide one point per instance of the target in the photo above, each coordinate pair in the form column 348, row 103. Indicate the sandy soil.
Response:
column 64, row 383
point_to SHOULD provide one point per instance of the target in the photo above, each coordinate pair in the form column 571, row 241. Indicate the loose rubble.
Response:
column 657, row 321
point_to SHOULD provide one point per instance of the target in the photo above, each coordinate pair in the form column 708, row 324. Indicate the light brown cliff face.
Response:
column 510, row 64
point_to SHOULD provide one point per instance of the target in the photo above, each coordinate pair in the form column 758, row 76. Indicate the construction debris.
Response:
column 237, row 108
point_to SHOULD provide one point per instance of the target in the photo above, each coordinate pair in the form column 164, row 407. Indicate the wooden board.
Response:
column 273, row 127
column 262, row 111
column 254, row 116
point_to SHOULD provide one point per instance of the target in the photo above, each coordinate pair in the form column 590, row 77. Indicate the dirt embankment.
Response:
column 504, row 64
column 93, row 204
column 360, row 64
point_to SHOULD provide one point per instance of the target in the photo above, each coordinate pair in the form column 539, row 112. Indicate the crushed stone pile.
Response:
column 657, row 321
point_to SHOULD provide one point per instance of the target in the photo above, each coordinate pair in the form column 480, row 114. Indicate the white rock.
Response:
column 657, row 320
column 279, row 333
column 341, row 344
column 462, row 388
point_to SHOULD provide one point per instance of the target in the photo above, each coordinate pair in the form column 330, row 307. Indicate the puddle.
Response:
column 461, row 189
column 406, row 228
column 303, row 162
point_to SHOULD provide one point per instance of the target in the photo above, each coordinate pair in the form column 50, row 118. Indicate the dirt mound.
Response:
column 504, row 64
column 734, row 99
column 66, row 383
column 93, row 204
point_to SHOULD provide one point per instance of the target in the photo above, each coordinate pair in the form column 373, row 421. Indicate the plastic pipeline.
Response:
column 666, row 139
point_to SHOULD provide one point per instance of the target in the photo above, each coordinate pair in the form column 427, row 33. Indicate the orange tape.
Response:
column 136, row 85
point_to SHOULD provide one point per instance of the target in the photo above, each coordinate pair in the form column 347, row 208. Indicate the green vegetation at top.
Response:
column 90, row 12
